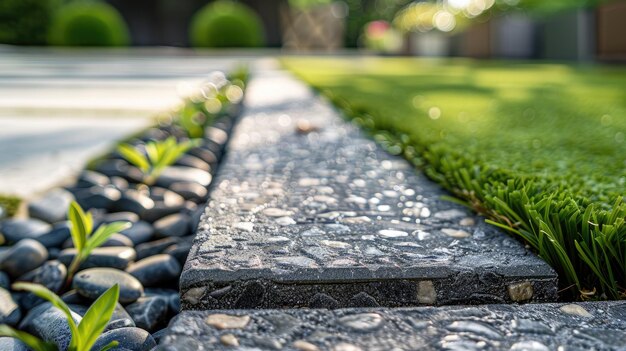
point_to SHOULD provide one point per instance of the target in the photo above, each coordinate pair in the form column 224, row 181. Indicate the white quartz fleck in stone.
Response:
column 391, row 233
column 247, row 226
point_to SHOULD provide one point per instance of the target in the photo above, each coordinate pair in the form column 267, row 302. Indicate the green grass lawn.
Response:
column 538, row 148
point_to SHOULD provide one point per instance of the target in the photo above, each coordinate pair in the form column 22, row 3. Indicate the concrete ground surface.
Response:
column 59, row 108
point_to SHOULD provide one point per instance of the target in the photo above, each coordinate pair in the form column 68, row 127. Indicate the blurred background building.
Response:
column 521, row 29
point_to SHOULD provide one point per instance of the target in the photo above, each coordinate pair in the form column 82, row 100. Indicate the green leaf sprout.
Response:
column 85, row 334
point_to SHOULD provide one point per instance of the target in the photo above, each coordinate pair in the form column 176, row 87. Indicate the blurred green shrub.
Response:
column 225, row 23
column 25, row 22
column 88, row 24
column 306, row 4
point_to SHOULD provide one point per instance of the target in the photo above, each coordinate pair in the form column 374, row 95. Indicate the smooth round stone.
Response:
column 5, row 281
column 208, row 156
column 179, row 251
column 9, row 310
column 98, row 197
column 51, row 274
column 113, row 257
column 52, row 207
column 193, row 162
column 88, row 178
column 174, row 303
column 155, row 133
column 218, row 134
column 120, row 168
column 117, row 240
column 50, row 324
column 23, row 257
column 12, row 344
column 135, row 339
column 156, row 270
column 167, row 196
column 15, row 230
column 120, row 183
column 93, row 282
column 120, row 217
column 160, row 210
column 196, row 216
column 139, row 232
column 57, row 236
column 166, row 202
column 133, row 201
column 119, row 319
column 155, row 247
column 74, row 298
column 149, row 312
column 160, row 292
column 27, row 301
column 175, row 174
column 190, row 191
column 172, row 225
column 158, row 335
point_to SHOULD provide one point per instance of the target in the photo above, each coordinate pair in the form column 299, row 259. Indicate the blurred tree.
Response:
column 25, row 22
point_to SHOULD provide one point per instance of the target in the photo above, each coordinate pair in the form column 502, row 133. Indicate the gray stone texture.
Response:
column 531, row 327
column 306, row 211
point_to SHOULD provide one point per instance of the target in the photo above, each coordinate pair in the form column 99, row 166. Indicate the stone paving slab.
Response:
column 531, row 327
column 307, row 212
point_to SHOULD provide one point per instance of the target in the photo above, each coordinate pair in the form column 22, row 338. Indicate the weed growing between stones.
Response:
column 158, row 155
column 84, row 334
column 213, row 100
column 9, row 205
column 83, row 237
column 538, row 149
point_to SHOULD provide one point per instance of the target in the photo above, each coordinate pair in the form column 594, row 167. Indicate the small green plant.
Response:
column 240, row 75
column 226, row 24
column 90, row 23
column 85, row 240
column 193, row 118
column 159, row 155
column 85, row 334
column 9, row 205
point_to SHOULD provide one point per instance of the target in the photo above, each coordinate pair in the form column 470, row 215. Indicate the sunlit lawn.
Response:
column 535, row 143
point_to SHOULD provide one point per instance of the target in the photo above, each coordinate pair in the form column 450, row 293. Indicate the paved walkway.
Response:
column 304, row 199
column 314, row 239
column 59, row 108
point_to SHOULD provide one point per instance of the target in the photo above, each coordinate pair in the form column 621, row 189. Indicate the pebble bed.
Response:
column 145, row 259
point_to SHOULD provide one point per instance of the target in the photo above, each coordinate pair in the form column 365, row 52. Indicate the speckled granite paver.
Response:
column 308, row 212
column 530, row 327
